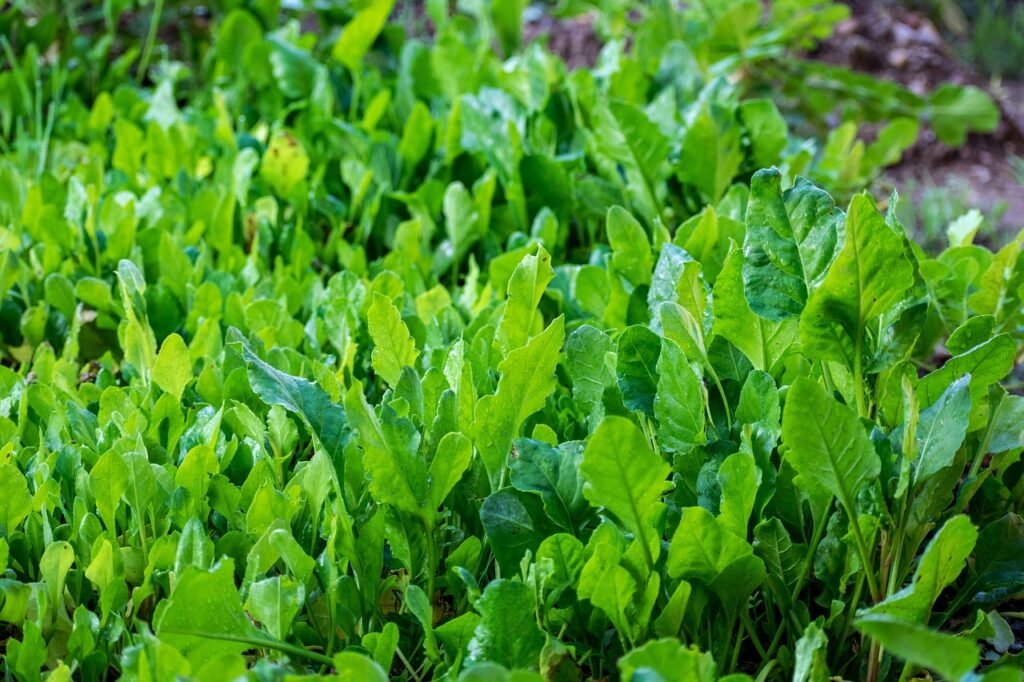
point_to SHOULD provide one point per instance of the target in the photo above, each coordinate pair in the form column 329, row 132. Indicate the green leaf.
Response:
column 525, row 288
column 453, row 456
column 763, row 342
column 527, row 379
column 811, row 650
column 350, row 666
column 669, row 660
column 941, row 564
column 996, row 572
column 515, row 522
column 791, row 239
column 324, row 418
column 702, row 549
column 173, row 367
column 275, row 602
column 784, row 560
column 508, row 632
column 586, row 361
column 393, row 346
column 827, row 445
column 871, row 275
column 285, row 164
column 955, row 110
column 629, row 487
column 639, row 350
column 360, row 33
column 203, row 618
column 941, row 430
column 15, row 503
column 631, row 251
column 625, row 134
column 397, row 472
column 710, row 155
column 952, row 657
column 553, row 474
column 679, row 401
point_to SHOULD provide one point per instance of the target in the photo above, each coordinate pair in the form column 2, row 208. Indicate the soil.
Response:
column 888, row 40
column 916, row 55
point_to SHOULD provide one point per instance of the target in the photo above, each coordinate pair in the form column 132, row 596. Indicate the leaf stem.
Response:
column 147, row 50
column 255, row 642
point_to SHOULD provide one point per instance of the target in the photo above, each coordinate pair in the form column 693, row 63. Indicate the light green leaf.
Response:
column 679, row 402
column 871, row 275
column 360, row 33
column 393, row 345
column 827, row 445
column 763, row 342
column 508, row 632
column 631, row 250
column 173, row 367
column 15, row 503
column 454, row 453
column 811, row 650
column 639, row 350
column 553, row 474
column 325, row 419
column 527, row 379
column 952, row 657
column 525, row 289
column 203, row 618
column 275, row 602
column 941, row 430
column 791, row 239
column 623, row 475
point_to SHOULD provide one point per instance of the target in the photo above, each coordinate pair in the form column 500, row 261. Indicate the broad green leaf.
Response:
column 955, row 110
column 586, row 361
column 791, row 239
column 525, row 289
column 763, row 342
column 870, row 276
column 710, row 154
column 453, row 456
column 952, row 657
column 625, row 134
column 739, row 479
column 827, row 444
column 669, row 659
column 527, row 378
column 16, row 502
column 811, row 651
column 325, row 419
column 398, row 475
column 941, row 430
column 508, row 632
column 702, row 549
column 359, row 34
column 285, row 163
column 623, row 475
column 203, row 618
column 553, row 474
column 995, row 573
column 393, row 346
column 941, row 564
column 350, row 666
column 275, row 602
column 639, row 350
column 679, row 401
column 173, row 367
column 631, row 251
column 515, row 522
column 784, row 560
